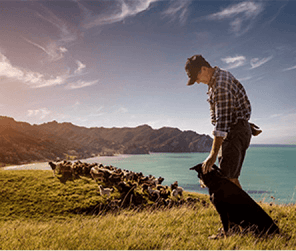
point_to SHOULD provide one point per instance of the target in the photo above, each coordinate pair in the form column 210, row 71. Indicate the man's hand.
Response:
column 208, row 163
column 211, row 159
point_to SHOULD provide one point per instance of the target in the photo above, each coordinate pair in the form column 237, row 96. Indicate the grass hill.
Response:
column 39, row 212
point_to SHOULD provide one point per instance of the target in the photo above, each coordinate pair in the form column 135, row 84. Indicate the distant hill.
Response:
column 21, row 142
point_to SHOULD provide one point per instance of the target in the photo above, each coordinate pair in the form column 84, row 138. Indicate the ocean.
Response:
column 268, row 173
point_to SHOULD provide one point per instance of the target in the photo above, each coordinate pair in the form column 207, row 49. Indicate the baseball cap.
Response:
column 192, row 67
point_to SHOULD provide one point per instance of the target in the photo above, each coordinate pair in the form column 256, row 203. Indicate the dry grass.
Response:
column 47, row 223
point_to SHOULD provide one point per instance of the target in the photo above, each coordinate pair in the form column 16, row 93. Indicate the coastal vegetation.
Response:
column 39, row 212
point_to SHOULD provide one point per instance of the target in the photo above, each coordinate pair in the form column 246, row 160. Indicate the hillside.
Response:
column 38, row 212
column 21, row 142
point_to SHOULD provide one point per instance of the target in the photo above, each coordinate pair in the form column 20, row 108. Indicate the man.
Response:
column 230, row 111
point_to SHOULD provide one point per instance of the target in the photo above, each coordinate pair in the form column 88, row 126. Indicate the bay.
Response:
column 268, row 173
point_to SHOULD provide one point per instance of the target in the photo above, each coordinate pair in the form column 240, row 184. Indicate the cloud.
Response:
column 248, row 8
column 67, row 33
column 80, row 84
column 241, row 16
column 122, row 9
column 122, row 110
column 178, row 9
column 244, row 79
column 275, row 115
column 7, row 70
column 81, row 66
column 290, row 68
column 54, row 51
column 234, row 62
column 40, row 113
column 38, row 80
column 77, row 103
column 278, row 13
column 256, row 62
column 98, row 112
column 33, row 79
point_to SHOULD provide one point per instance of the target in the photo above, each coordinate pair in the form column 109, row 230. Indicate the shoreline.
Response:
column 5, row 165
column 15, row 167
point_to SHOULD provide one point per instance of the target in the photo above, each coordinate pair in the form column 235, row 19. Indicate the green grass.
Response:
column 39, row 212
column 31, row 194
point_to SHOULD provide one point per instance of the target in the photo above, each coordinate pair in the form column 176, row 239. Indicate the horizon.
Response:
column 121, row 63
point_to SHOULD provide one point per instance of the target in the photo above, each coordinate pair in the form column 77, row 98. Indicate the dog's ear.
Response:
column 197, row 168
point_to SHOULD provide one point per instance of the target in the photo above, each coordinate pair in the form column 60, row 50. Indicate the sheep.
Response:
column 128, row 184
column 114, row 178
column 126, row 192
column 83, row 169
column 111, row 168
column 124, row 187
column 53, row 167
column 157, row 181
column 143, row 180
column 164, row 192
column 114, row 204
column 129, row 176
column 96, row 175
column 176, row 190
column 154, row 182
column 64, row 168
column 155, row 194
column 174, row 185
column 100, row 173
column 160, row 180
column 105, row 191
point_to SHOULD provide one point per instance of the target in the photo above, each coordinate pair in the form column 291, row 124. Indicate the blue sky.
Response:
column 121, row 63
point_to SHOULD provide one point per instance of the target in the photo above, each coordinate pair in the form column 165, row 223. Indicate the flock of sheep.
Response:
column 134, row 188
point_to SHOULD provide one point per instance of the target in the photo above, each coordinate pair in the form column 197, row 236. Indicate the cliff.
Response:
column 21, row 142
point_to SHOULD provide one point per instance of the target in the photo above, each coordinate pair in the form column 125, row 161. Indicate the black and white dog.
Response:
column 234, row 205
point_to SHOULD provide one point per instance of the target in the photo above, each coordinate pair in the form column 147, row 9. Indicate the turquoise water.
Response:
column 268, row 174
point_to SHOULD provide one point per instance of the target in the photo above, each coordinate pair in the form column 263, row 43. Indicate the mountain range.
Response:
column 21, row 142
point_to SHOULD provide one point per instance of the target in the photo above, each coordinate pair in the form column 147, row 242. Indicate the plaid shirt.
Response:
column 228, row 102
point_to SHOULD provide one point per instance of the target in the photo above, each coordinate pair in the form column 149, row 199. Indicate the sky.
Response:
column 121, row 63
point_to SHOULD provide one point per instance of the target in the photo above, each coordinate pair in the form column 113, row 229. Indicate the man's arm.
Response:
column 211, row 159
column 222, row 108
